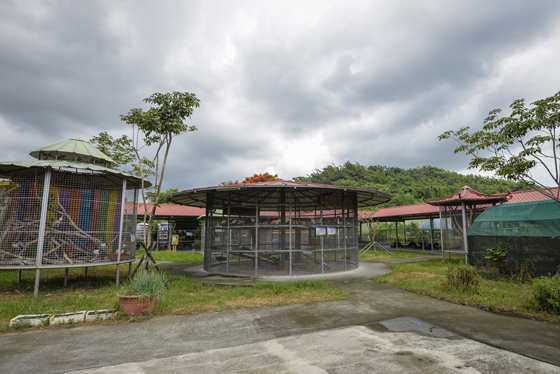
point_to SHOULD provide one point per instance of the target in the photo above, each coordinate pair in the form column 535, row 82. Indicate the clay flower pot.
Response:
column 135, row 305
column 141, row 293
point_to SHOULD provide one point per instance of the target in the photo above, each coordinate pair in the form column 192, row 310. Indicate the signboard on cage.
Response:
column 331, row 230
column 320, row 230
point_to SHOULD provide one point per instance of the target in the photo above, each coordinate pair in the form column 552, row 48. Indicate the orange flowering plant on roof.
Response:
column 257, row 178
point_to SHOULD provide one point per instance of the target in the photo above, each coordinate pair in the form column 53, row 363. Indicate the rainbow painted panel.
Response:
column 117, row 226
column 52, row 214
column 111, row 210
column 95, row 212
column 64, row 199
column 103, row 209
column 75, row 204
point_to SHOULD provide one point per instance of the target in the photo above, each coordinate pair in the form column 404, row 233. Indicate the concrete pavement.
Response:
column 352, row 335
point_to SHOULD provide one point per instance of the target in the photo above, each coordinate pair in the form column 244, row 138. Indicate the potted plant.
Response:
column 141, row 293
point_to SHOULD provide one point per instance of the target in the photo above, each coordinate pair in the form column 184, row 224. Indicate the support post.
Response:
column 120, row 233
column 290, row 235
column 228, row 235
column 322, row 243
column 42, row 228
column 441, row 233
column 432, row 238
column 344, row 232
column 396, row 234
column 65, row 277
column 19, row 276
column 386, row 232
column 257, row 235
column 465, row 243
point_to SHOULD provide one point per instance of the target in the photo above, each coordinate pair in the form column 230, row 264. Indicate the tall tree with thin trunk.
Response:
column 153, row 129
column 514, row 145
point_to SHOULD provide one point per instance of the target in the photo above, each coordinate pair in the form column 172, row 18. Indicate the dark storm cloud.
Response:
column 285, row 86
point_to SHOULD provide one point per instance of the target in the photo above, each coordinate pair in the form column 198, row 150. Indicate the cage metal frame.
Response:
column 32, row 207
column 256, row 229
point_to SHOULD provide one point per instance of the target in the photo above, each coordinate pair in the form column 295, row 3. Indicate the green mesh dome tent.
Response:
column 526, row 231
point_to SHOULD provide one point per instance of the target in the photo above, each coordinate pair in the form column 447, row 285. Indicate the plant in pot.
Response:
column 140, row 294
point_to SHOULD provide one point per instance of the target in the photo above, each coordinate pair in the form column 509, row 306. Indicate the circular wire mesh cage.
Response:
column 280, row 228
column 62, row 218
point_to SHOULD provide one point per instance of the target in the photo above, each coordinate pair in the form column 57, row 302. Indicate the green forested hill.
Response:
column 407, row 186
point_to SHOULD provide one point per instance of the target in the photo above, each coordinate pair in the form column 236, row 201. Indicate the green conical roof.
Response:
column 74, row 150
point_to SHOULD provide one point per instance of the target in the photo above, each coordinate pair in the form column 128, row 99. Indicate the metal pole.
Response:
column 386, row 232
column 432, row 232
column 441, row 233
column 396, row 234
column 290, row 235
column 228, row 236
column 65, row 277
column 404, row 231
column 344, row 243
column 465, row 244
column 322, row 238
column 42, row 227
column 19, row 276
column 121, row 232
column 257, row 235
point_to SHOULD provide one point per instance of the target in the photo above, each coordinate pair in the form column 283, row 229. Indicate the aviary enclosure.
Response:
column 280, row 227
column 65, row 210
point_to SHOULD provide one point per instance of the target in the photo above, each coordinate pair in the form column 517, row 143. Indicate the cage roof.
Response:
column 76, row 150
column 304, row 195
column 468, row 195
column 38, row 167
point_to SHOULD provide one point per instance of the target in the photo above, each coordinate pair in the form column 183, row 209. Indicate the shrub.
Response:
column 196, row 244
column 546, row 293
column 495, row 254
column 146, row 285
column 462, row 278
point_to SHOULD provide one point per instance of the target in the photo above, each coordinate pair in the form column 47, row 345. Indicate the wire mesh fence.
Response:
column 402, row 238
column 285, row 241
column 79, row 223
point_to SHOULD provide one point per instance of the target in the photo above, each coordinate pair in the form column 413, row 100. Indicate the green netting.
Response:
column 536, row 218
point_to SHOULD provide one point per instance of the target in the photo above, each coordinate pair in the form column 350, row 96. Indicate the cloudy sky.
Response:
column 285, row 86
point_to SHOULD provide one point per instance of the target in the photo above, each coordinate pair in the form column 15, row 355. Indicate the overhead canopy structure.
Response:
column 280, row 227
column 305, row 195
column 74, row 150
column 459, row 212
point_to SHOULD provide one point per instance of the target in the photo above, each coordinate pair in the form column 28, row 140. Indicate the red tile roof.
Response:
column 467, row 194
column 530, row 195
column 418, row 211
column 170, row 210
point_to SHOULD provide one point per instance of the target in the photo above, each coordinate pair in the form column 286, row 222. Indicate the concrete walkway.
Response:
column 377, row 328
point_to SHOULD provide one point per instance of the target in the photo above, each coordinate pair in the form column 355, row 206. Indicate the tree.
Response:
column 513, row 146
column 153, row 129
column 162, row 196
column 256, row 178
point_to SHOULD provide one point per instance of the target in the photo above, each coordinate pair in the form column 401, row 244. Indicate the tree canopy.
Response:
column 152, row 130
column 408, row 186
column 512, row 146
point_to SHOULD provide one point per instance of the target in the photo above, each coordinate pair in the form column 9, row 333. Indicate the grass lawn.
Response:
column 98, row 291
column 381, row 255
column 503, row 296
column 185, row 257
